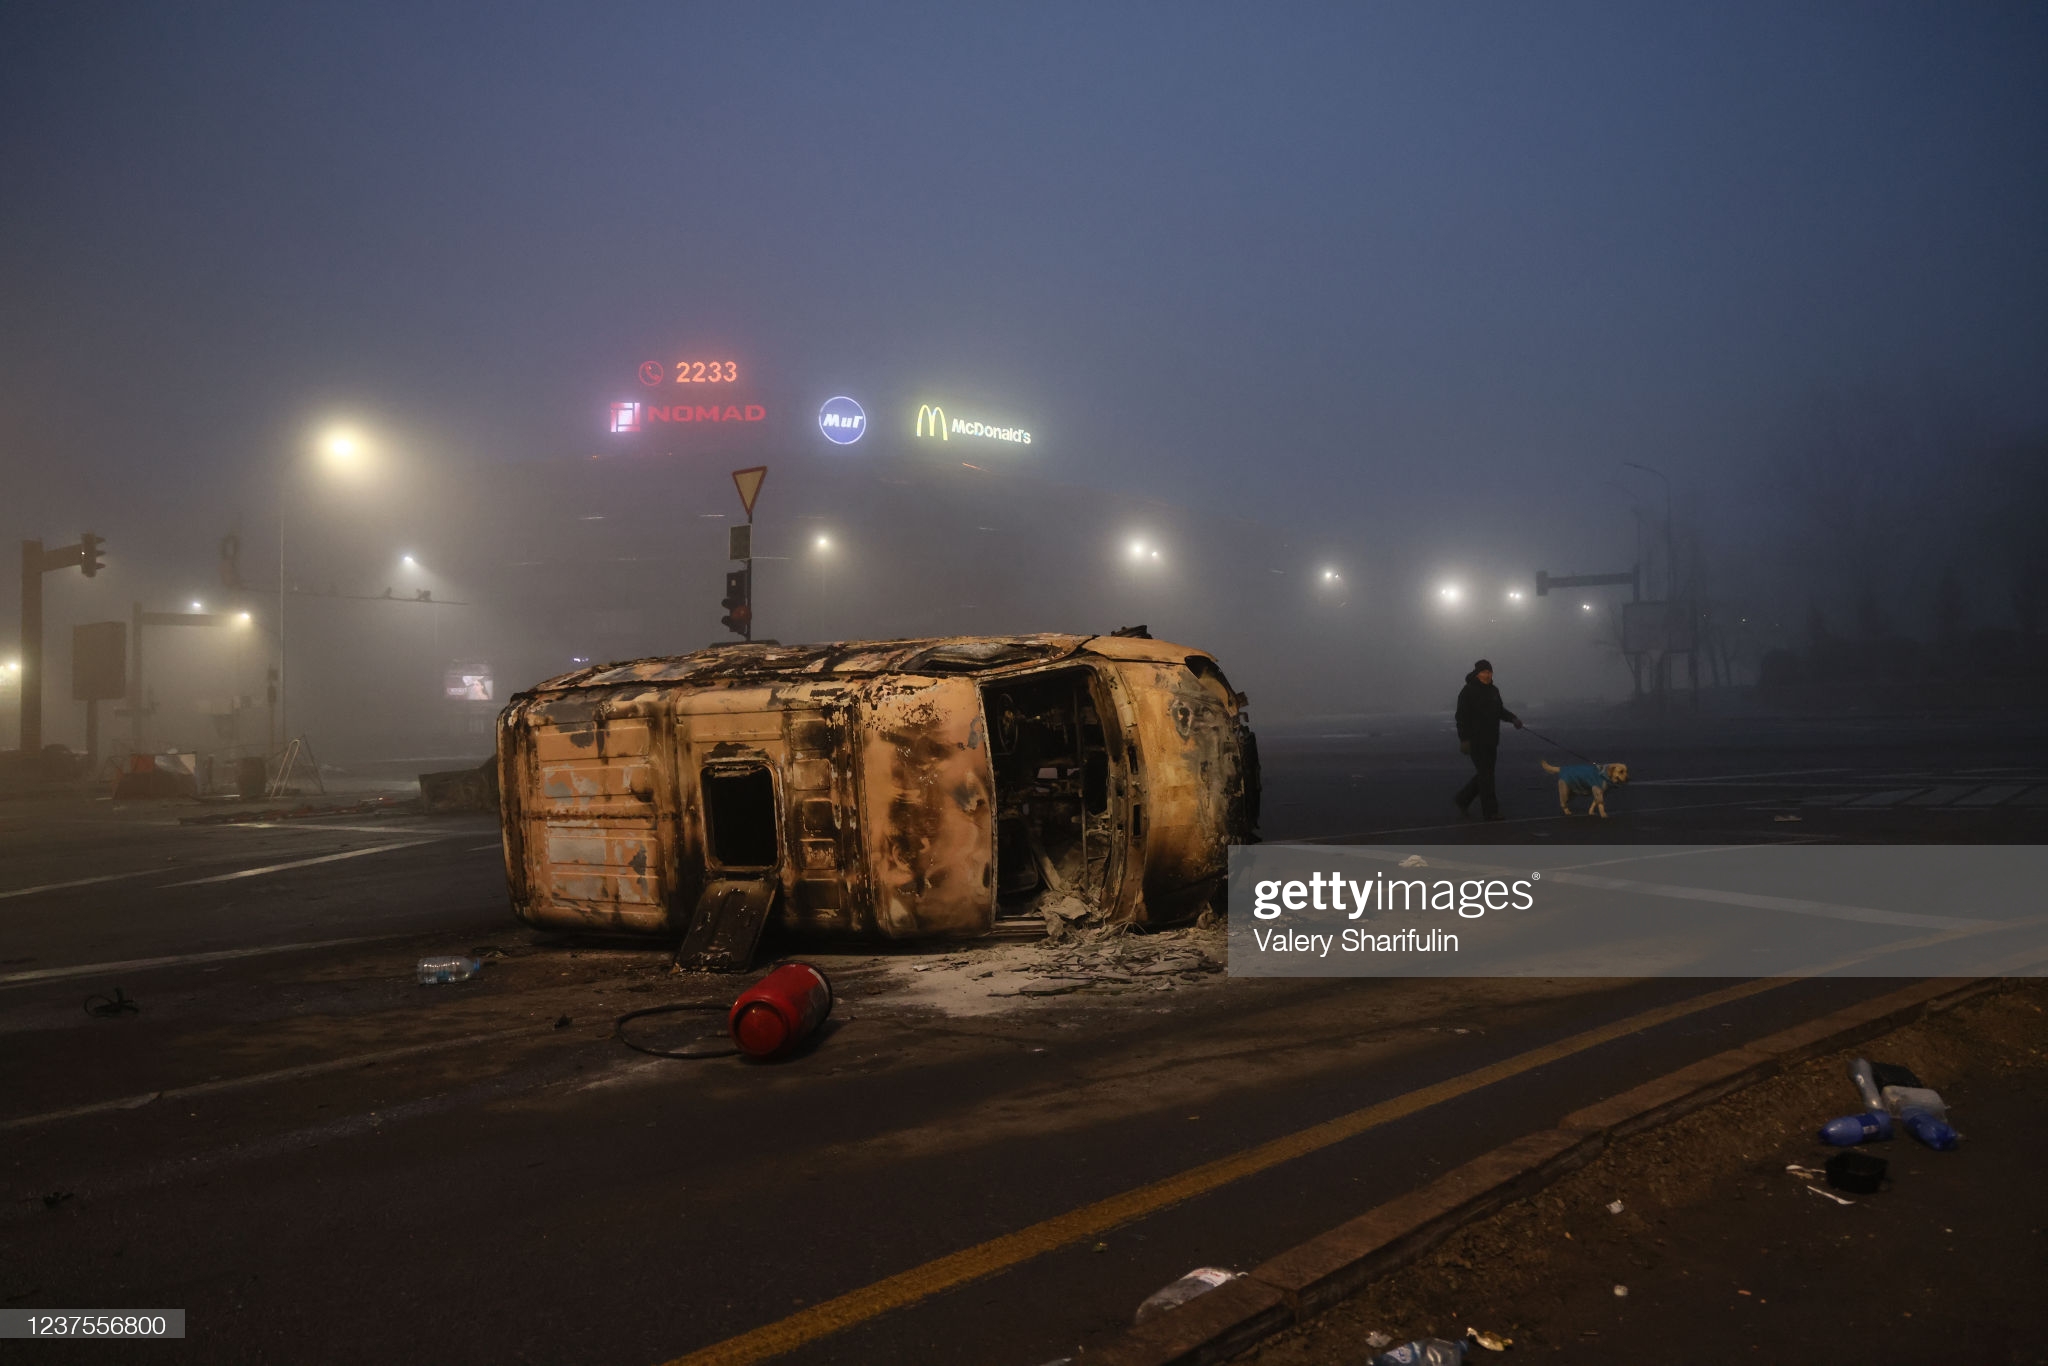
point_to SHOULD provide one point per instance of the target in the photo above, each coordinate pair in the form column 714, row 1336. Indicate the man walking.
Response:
column 1479, row 716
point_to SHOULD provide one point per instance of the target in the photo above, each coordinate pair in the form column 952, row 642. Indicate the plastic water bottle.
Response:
column 1922, row 1114
column 1426, row 1352
column 434, row 971
column 1850, row 1130
column 1865, row 1077
column 1200, row 1281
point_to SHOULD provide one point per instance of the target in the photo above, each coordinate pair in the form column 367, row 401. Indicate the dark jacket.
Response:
column 1480, row 713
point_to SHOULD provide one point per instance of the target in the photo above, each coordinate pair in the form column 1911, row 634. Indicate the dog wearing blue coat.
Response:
column 1589, row 780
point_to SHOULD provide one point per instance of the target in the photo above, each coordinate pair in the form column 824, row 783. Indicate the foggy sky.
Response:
column 1403, row 283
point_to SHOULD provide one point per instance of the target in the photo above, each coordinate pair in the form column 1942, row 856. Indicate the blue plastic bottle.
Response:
column 1923, row 1115
column 1850, row 1130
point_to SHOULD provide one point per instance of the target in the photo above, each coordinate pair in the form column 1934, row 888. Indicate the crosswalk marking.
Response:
column 1989, row 796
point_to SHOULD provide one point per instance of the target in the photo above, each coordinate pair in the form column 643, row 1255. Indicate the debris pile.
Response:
column 1118, row 956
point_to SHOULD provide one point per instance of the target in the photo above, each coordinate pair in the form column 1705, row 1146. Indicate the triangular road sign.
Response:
column 748, row 482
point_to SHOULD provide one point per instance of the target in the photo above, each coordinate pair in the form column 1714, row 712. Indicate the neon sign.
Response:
column 932, row 421
column 631, row 417
column 842, row 421
column 691, row 372
column 707, row 372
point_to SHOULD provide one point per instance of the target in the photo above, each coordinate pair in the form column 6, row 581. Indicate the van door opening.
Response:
column 1054, row 826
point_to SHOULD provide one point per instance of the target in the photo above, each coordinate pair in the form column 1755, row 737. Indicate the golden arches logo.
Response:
column 931, row 421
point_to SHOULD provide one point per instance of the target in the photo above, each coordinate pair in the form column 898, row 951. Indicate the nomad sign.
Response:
column 630, row 417
column 933, row 422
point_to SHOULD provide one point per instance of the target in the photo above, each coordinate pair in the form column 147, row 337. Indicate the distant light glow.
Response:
column 408, row 560
column 1137, row 550
column 1585, row 607
column 14, row 666
column 1331, row 576
column 198, row 606
column 1514, row 595
column 823, row 543
column 244, row 618
column 1450, row 592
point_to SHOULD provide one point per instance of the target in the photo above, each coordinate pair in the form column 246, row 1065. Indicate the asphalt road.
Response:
column 322, row 1161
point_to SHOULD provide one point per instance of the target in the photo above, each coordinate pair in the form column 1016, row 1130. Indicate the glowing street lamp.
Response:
column 342, row 451
column 1450, row 593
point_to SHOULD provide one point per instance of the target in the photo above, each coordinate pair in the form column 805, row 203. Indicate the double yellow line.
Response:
column 1011, row 1249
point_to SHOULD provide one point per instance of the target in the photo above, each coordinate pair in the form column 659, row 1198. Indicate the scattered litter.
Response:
column 1864, row 1077
column 1492, row 1342
column 487, row 952
column 1922, row 1114
column 439, row 971
column 1849, row 1130
column 1621, row 1291
column 1745, row 1292
column 1422, row 1352
column 55, row 1198
column 1892, row 1074
column 563, row 1022
column 1100, row 1247
column 1857, row 1173
column 106, row 1007
column 1814, row 1173
column 1829, row 1195
column 1200, row 1281
column 1376, row 1339
column 1614, row 1206
column 1415, row 861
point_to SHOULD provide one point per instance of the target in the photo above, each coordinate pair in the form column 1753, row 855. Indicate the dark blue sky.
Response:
column 1372, row 268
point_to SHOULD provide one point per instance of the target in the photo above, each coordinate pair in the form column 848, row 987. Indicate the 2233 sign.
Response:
column 707, row 372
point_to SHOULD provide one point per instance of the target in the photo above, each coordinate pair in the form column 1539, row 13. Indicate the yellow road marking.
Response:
column 1011, row 1249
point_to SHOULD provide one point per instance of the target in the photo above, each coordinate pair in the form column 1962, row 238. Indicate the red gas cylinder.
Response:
column 779, row 1012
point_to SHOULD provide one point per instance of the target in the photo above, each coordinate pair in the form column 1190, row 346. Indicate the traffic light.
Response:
column 89, row 554
column 738, row 604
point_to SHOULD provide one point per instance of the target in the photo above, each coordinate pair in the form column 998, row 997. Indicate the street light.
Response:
column 1450, row 593
column 343, row 451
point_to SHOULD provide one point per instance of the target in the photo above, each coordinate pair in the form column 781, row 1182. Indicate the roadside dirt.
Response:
column 1723, row 1255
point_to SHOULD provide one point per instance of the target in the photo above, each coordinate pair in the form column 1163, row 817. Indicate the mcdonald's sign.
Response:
column 932, row 421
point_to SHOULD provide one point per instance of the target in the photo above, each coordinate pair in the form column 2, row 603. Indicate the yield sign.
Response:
column 748, row 481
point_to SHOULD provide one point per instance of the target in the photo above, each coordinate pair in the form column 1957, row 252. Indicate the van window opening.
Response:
column 739, row 808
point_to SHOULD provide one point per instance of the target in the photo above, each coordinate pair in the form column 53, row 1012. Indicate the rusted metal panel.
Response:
column 927, row 792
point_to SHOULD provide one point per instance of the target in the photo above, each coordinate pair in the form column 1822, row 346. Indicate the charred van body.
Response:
column 896, row 788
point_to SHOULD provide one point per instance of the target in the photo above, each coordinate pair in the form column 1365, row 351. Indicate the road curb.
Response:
column 1311, row 1276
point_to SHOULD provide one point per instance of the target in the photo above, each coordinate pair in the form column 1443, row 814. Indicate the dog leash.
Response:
column 1566, row 748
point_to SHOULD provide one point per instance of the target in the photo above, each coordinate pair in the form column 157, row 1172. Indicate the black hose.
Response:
column 673, row 1008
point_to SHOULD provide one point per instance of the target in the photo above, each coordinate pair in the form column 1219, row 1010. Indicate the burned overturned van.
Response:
column 896, row 788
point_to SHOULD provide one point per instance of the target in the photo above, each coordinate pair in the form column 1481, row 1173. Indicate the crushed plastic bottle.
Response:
column 435, row 971
column 1424, row 1352
column 1850, row 1130
column 1200, row 1281
column 1922, row 1114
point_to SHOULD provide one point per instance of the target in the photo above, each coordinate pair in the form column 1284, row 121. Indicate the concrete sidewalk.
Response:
column 1727, row 1257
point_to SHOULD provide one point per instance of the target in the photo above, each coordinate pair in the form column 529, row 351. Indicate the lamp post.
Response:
column 343, row 452
column 1692, row 616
